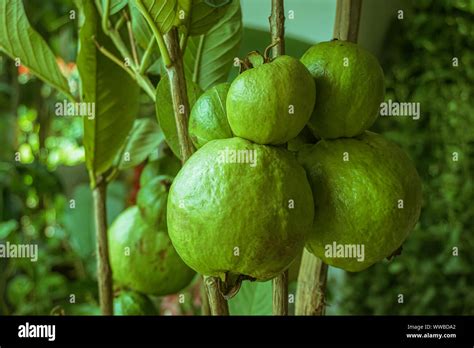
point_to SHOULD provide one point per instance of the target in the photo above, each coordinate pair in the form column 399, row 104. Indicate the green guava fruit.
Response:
column 165, row 165
column 350, row 88
column 152, row 199
column 133, row 303
column 208, row 119
column 367, row 198
column 240, row 209
column 142, row 257
column 272, row 102
column 304, row 138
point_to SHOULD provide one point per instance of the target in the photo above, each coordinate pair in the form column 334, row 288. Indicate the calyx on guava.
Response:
column 367, row 198
column 142, row 256
column 240, row 209
column 208, row 119
column 350, row 88
column 271, row 102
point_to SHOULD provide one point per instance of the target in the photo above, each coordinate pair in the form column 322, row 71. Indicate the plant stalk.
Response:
column 346, row 26
column 311, row 290
column 277, row 29
column 217, row 303
column 179, row 93
column 104, row 271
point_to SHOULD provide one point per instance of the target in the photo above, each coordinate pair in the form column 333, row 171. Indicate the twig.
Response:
column 132, row 39
column 179, row 93
column 277, row 25
column 346, row 26
column 165, row 55
column 310, row 293
column 142, row 80
column 146, row 58
column 114, row 59
column 277, row 28
column 217, row 303
column 104, row 271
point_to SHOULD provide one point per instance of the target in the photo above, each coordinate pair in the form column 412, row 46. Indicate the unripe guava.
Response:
column 165, row 165
column 152, row 199
column 142, row 257
column 367, row 193
column 230, row 216
column 208, row 119
column 272, row 102
column 133, row 303
column 350, row 88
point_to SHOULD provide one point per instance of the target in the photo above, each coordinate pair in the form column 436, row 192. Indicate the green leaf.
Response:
column 253, row 298
column 163, row 12
column 19, row 40
column 165, row 113
column 116, row 5
column 203, row 16
column 144, row 138
column 7, row 227
column 140, row 28
column 209, row 58
column 113, row 92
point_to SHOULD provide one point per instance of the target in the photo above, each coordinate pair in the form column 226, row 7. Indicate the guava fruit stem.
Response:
column 280, row 294
column 217, row 303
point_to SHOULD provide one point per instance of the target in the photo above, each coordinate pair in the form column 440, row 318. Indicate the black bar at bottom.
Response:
column 395, row 330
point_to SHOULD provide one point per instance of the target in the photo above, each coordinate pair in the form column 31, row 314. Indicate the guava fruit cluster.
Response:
column 142, row 256
column 241, row 207
column 366, row 190
column 351, row 196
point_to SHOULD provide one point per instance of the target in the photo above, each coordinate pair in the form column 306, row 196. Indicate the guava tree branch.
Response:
column 311, row 292
column 179, row 93
column 277, row 29
column 346, row 26
column 104, row 271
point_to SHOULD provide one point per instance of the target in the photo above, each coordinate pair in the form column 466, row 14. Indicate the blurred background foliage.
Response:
column 38, row 192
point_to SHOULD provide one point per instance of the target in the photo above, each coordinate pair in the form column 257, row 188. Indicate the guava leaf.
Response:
column 107, row 86
column 165, row 113
column 202, row 16
column 115, row 5
column 20, row 41
column 144, row 138
column 140, row 28
column 253, row 298
column 163, row 12
column 209, row 57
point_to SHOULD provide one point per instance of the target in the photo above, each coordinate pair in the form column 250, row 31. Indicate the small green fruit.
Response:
column 143, row 258
column 208, row 119
column 166, row 165
column 367, row 193
column 228, row 215
column 152, row 199
column 133, row 303
column 272, row 102
column 350, row 88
